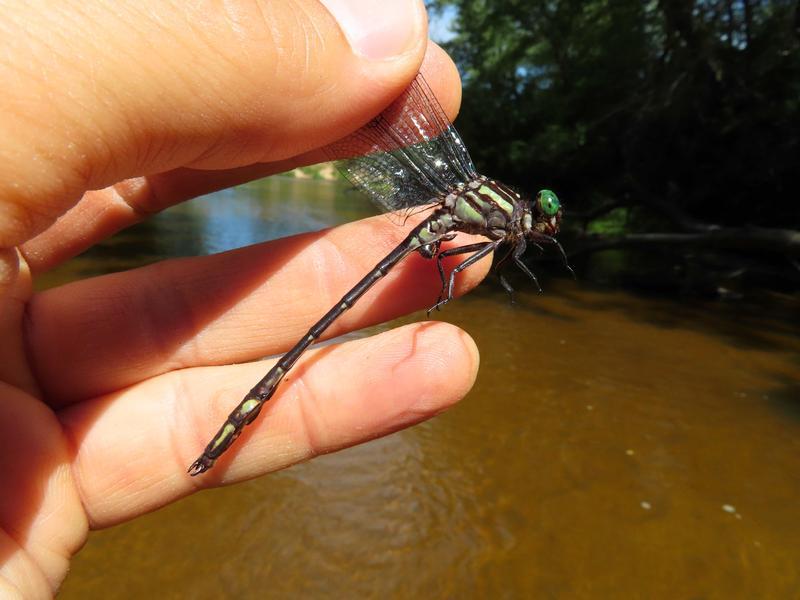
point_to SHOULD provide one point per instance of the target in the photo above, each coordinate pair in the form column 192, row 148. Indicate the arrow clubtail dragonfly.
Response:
column 407, row 158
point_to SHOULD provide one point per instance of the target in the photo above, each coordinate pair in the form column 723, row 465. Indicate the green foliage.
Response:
column 694, row 103
column 612, row 223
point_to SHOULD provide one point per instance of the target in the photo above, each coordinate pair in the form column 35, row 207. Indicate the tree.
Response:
column 686, row 113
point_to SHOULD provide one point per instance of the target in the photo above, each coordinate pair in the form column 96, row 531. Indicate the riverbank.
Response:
column 323, row 171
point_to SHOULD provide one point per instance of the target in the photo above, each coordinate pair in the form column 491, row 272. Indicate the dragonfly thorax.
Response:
column 486, row 207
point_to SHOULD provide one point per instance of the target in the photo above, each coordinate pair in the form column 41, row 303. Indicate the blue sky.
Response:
column 439, row 24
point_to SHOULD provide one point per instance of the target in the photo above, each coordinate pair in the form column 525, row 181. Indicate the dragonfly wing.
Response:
column 409, row 155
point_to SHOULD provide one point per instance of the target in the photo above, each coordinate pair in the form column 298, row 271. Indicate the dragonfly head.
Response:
column 546, row 212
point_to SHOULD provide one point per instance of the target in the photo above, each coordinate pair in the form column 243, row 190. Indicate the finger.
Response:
column 97, row 335
column 338, row 396
column 40, row 509
column 102, row 213
column 146, row 87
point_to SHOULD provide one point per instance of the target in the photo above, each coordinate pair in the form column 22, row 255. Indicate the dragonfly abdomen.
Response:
column 423, row 235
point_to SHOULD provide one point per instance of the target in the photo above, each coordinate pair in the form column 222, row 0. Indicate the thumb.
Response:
column 96, row 92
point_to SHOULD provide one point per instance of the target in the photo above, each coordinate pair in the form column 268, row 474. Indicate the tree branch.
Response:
column 782, row 241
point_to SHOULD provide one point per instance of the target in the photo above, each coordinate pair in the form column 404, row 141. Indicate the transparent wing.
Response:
column 409, row 155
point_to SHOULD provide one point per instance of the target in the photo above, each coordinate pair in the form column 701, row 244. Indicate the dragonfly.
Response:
column 409, row 158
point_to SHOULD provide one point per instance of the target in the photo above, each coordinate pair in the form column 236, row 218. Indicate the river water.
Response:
column 613, row 446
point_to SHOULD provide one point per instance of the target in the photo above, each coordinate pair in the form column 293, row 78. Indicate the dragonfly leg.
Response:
column 439, row 264
column 564, row 257
column 442, row 277
column 498, row 269
column 519, row 250
column 551, row 240
column 506, row 286
column 481, row 249
column 439, row 258
column 566, row 262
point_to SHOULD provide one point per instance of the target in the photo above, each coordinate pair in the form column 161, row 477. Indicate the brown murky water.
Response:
column 613, row 447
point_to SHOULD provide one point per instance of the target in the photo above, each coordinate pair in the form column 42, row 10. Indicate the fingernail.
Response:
column 378, row 29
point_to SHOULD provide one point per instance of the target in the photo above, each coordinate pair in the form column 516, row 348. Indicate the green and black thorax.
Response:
column 487, row 207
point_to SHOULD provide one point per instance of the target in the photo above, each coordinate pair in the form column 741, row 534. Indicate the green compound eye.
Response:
column 548, row 202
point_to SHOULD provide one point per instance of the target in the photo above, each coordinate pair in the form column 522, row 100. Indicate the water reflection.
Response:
column 264, row 210
column 612, row 447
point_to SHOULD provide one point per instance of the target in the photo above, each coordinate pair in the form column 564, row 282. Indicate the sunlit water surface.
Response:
column 613, row 446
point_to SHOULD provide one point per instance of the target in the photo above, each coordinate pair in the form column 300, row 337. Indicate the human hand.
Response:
column 109, row 387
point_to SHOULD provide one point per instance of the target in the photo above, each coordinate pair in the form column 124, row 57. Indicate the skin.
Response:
column 111, row 386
